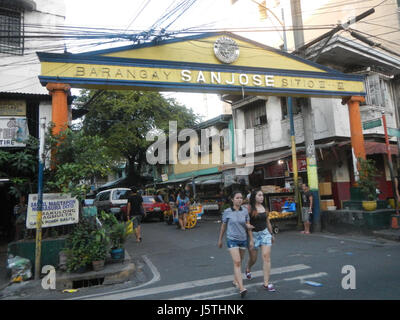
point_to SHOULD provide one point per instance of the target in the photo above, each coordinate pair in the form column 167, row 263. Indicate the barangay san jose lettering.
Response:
column 208, row 77
column 200, row 77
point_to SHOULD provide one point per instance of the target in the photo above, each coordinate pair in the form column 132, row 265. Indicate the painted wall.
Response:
column 198, row 163
column 20, row 73
column 332, row 11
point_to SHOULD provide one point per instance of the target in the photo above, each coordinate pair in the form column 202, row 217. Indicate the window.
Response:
column 11, row 32
column 120, row 194
column 104, row 196
column 255, row 114
column 296, row 106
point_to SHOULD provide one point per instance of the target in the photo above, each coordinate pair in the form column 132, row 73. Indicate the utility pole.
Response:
column 38, row 248
column 308, row 122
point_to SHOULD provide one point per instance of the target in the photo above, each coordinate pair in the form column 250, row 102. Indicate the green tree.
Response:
column 368, row 175
column 76, row 159
column 20, row 166
column 123, row 118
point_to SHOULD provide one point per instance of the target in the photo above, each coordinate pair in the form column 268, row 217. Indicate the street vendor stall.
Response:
column 281, row 207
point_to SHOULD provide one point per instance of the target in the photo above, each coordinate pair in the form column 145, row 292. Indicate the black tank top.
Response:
column 259, row 221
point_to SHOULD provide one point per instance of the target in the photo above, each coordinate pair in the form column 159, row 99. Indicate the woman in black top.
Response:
column 262, row 236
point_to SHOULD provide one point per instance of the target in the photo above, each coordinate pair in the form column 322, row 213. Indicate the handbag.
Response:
column 129, row 227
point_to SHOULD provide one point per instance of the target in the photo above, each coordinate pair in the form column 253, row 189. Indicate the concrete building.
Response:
column 268, row 117
column 23, row 100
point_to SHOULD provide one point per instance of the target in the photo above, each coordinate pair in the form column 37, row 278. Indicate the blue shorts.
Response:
column 236, row 244
column 262, row 238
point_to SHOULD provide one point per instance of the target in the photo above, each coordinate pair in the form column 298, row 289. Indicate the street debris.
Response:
column 20, row 268
column 70, row 290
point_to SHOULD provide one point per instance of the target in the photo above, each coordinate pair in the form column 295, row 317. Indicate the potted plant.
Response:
column 77, row 253
column 368, row 183
column 118, row 235
column 98, row 248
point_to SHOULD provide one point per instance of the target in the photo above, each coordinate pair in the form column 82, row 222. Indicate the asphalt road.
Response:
column 188, row 265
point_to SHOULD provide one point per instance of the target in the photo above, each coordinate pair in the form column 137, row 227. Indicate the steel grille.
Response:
column 11, row 32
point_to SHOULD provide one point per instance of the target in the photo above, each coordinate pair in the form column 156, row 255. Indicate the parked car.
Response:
column 112, row 200
column 153, row 206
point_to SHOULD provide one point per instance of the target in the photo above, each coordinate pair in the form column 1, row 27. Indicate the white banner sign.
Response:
column 13, row 131
column 58, row 209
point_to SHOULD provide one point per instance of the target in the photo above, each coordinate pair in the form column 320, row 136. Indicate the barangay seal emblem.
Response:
column 226, row 50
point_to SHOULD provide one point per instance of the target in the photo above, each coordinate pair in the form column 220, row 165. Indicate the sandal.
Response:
column 248, row 275
column 270, row 287
column 235, row 284
column 243, row 293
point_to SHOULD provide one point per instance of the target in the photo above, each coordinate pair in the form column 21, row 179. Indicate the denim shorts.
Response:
column 236, row 244
column 262, row 238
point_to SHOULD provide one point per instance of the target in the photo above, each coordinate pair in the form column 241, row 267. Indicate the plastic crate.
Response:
column 377, row 220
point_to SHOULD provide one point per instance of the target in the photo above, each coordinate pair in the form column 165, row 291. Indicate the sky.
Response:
column 219, row 14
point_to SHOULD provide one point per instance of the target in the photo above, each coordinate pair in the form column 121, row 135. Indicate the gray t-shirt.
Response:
column 236, row 223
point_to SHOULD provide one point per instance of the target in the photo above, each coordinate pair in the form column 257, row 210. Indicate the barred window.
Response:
column 11, row 32
column 255, row 114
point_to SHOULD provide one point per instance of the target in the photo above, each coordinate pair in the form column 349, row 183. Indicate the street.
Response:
column 187, row 265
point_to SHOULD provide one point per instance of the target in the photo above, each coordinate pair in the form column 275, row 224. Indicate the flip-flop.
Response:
column 234, row 284
column 243, row 293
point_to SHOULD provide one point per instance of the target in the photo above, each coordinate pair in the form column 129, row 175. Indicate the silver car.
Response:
column 112, row 200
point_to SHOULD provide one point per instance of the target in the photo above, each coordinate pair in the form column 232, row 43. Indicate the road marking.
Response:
column 307, row 276
column 306, row 292
column 132, row 293
column 152, row 267
column 215, row 294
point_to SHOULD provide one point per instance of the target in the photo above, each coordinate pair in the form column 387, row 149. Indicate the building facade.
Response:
column 23, row 100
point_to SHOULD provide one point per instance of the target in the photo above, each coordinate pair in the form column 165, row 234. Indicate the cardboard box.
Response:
column 269, row 189
column 325, row 188
column 327, row 203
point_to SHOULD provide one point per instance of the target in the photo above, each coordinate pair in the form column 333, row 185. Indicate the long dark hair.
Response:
column 234, row 193
column 253, row 210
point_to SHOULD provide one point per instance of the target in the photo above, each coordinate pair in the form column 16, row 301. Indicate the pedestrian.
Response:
column 136, row 211
column 397, row 187
column 159, row 195
column 307, row 203
column 236, row 223
column 262, row 236
column 183, row 204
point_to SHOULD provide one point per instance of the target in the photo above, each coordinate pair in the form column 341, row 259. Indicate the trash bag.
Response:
column 20, row 268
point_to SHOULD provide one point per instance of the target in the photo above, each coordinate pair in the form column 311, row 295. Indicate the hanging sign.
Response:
column 58, row 209
column 13, row 132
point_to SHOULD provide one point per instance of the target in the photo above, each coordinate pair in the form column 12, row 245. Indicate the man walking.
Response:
column 136, row 211
column 307, row 202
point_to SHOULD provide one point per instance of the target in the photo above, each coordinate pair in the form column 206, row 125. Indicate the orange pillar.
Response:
column 356, row 131
column 59, row 93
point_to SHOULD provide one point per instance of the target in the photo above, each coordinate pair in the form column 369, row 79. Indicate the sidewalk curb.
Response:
column 393, row 235
column 112, row 274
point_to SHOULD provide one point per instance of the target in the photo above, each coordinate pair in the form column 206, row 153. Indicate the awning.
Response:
column 372, row 147
column 121, row 182
column 207, row 180
column 175, row 180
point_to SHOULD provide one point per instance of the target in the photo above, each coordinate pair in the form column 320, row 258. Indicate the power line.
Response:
column 137, row 15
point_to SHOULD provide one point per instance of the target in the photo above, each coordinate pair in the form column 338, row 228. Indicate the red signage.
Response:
column 301, row 165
